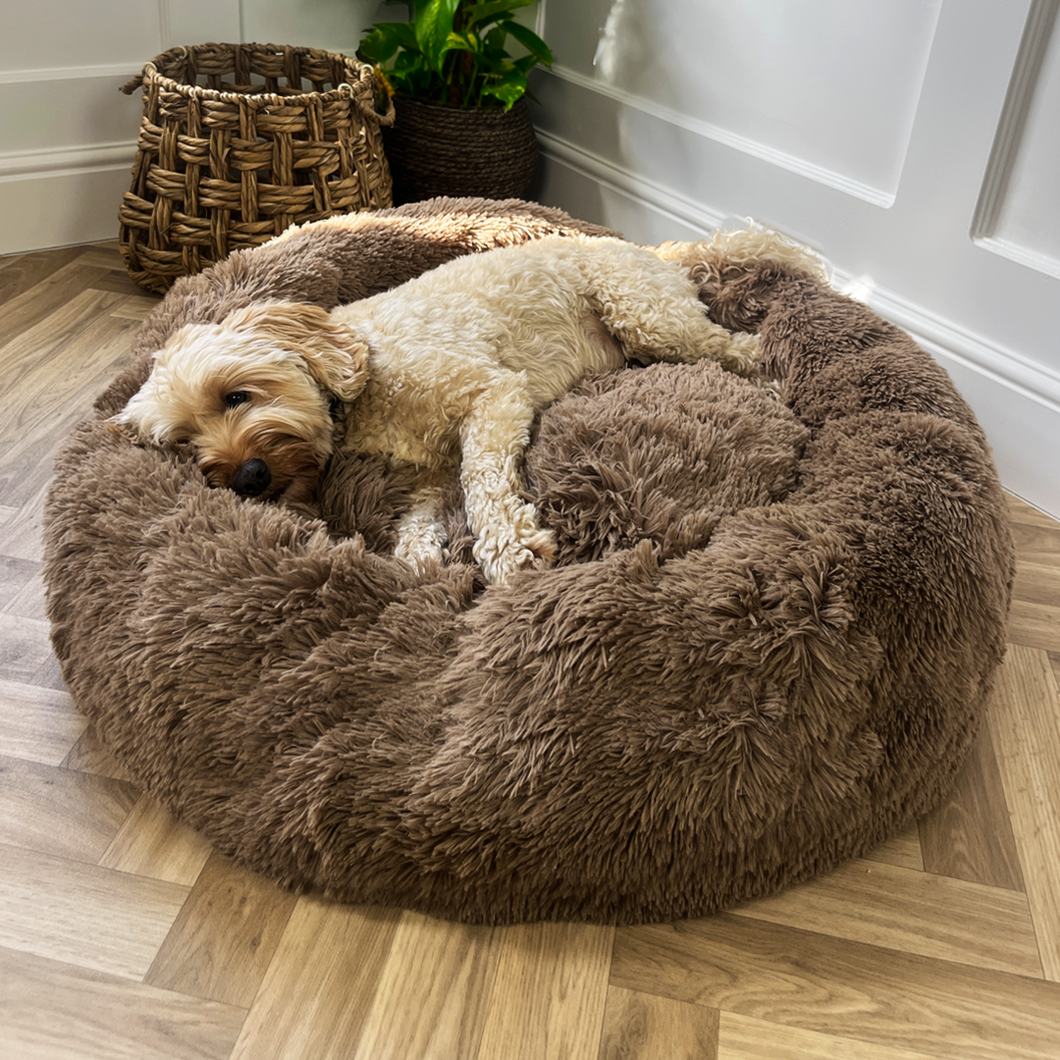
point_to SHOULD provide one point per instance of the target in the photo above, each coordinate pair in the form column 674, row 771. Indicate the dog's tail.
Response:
column 735, row 272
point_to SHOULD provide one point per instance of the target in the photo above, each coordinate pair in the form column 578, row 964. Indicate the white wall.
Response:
column 914, row 143
column 68, row 136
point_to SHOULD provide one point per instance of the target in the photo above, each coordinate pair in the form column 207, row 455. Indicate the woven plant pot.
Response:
column 240, row 141
column 484, row 152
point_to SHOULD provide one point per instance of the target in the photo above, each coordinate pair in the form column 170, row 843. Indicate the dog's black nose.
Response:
column 252, row 478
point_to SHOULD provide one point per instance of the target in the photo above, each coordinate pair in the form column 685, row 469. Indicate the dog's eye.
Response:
column 236, row 398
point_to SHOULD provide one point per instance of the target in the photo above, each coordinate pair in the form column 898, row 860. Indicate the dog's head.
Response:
column 252, row 395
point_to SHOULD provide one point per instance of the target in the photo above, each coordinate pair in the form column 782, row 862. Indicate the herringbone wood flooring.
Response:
column 122, row 935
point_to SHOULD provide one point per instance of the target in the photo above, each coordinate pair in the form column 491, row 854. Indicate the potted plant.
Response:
column 462, row 124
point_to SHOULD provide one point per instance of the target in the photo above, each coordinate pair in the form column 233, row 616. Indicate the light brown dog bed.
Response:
column 765, row 647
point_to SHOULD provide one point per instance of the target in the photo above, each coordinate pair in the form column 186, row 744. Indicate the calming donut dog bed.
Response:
column 765, row 646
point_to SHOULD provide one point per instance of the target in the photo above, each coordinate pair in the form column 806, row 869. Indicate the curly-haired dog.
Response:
column 447, row 369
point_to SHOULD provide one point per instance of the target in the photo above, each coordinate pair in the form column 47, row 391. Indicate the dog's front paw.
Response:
column 742, row 355
column 421, row 537
column 419, row 556
column 501, row 557
column 543, row 545
column 422, row 549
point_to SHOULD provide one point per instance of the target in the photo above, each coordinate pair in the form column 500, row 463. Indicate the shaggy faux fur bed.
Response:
column 765, row 647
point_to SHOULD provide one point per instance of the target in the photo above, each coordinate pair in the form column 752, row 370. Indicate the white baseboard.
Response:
column 1016, row 401
column 53, row 161
column 61, row 198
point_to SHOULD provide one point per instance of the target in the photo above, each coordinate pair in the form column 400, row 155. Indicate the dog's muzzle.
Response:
column 252, row 478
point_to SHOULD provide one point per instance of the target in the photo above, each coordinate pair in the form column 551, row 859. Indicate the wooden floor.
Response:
column 123, row 936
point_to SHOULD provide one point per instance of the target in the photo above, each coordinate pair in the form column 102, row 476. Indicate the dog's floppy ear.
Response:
column 336, row 356
column 142, row 418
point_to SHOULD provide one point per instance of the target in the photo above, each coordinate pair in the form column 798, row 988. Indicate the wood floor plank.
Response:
column 743, row 1038
column 104, row 256
column 1022, row 512
column 151, row 842
column 57, row 811
column 319, row 988
column 844, row 989
column 23, row 272
column 1037, row 538
column 902, row 850
column 1038, row 583
column 549, row 995
column 37, row 357
column 50, row 1010
column 29, row 307
column 15, row 575
column 649, row 1027
column 225, row 936
column 913, row 912
column 24, row 645
column 441, row 977
column 134, row 308
column 1035, row 617
column 37, row 723
column 1034, row 625
column 89, row 755
column 47, row 395
column 970, row 836
column 119, row 283
column 28, row 601
column 20, row 536
column 1024, row 721
column 69, row 911
column 49, row 674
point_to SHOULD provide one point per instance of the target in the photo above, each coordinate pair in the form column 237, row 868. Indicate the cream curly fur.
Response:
column 445, row 370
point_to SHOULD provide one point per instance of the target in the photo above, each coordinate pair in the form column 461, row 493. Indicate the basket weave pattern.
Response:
column 234, row 148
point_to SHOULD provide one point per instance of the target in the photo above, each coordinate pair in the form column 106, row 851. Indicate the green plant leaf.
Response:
column 525, row 64
column 434, row 24
column 465, row 42
column 455, row 52
column 483, row 14
column 384, row 40
column 530, row 41
column 508, row 89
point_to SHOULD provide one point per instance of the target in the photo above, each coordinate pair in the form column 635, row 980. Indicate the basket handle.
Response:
column 370, row 113
column 130, row 86
column 134, row 83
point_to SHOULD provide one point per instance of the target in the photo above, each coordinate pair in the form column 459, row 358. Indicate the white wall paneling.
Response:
column 687, row 123
column 824, row 88
column 1017, row 214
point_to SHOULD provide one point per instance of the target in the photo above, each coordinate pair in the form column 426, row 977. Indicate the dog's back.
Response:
column 553, row 308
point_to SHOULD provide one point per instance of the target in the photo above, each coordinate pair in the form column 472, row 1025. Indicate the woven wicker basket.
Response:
column 225, row 164
column 479, row 151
